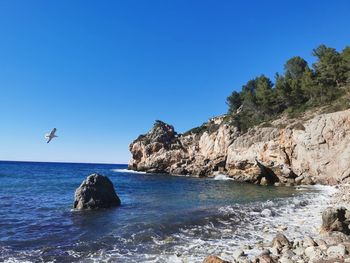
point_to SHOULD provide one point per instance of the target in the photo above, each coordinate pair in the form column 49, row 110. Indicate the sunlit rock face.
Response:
column 303, row 151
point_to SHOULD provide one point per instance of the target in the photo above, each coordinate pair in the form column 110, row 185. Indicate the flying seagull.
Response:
column 51, row 135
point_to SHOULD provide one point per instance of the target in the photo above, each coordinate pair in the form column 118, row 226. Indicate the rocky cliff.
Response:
column 305, row 150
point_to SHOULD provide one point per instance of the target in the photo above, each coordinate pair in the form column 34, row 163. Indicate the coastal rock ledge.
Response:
column 310, row 149
column 96, row 191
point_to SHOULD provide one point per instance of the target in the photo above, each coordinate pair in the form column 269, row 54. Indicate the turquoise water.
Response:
column 162, row 218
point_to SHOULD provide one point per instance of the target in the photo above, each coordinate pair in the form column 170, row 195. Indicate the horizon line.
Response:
column 63, row 162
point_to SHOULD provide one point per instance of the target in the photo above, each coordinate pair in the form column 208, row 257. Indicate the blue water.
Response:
column 162, row 218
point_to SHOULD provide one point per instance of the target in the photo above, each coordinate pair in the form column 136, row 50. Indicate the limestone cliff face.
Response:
column 304, row 151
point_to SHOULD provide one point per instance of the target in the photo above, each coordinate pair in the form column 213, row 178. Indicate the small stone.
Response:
column 322, row 244
column 313, row 253
column 280, row 241
column 214, row 259
column 297, row 242
column 336, row 251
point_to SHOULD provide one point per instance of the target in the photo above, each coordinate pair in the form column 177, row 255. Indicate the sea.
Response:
column 162, row 218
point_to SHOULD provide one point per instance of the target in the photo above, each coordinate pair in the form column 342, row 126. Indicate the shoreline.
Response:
column 315, row 246
column 211, row 228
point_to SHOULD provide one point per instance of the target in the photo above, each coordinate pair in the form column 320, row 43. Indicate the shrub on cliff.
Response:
column 296, row 90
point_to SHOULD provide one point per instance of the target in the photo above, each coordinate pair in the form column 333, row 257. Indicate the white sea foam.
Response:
column 236, row 226
column 222, row 177
column 127, row 171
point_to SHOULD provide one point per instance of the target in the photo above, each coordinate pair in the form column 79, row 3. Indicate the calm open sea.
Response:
column 162, row 218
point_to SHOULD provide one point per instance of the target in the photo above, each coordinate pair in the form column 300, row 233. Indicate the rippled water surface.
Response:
column 162, row 218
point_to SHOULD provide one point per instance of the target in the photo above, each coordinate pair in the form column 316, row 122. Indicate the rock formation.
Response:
column 294, row 151
column 336, row 219
column 96, row 191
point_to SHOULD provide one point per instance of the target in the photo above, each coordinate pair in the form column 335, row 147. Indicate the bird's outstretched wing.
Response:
column 52, row 133
column 49, row 138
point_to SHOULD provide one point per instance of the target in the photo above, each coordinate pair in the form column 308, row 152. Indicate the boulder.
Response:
column 96, row 191
column 313, row 253
column 334, row 219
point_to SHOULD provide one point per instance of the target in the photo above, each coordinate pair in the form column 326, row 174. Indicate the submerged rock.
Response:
column 96, row 191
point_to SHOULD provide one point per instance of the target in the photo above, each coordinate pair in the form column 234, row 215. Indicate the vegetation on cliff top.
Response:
column 300, row 88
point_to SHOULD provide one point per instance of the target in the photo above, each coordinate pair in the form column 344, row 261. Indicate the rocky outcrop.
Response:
column 302, row 151
column 96, row 191
column 162, row 150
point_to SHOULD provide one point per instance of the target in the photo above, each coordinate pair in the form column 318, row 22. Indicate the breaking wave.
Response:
column 228, row 228
column 127, row 171
column 222, row 177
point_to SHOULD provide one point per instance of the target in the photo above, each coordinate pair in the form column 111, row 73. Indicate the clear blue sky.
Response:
column 101, row 72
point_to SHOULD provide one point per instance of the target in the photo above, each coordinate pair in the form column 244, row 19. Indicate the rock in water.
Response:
column 96, row 191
